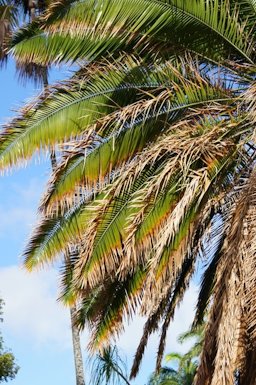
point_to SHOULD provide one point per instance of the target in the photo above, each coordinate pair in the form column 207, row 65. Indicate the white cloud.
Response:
column 31, row 311
column 18, row 207
column 32, row 315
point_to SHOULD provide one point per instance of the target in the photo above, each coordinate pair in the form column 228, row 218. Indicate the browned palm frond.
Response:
column 230, row 336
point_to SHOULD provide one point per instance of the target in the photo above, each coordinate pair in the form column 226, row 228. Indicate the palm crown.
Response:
column 155, row 135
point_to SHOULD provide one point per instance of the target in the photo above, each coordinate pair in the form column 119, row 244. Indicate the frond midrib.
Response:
column 75, row 101
column 170, row 111
column 172, row 6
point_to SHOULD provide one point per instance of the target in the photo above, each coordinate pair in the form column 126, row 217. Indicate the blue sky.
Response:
column 35, row 326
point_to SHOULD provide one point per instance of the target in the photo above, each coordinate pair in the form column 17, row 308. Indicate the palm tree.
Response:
column 67, row 271
column 157, row 130
column 187, row 363
column 184, row 375
column 108, row 368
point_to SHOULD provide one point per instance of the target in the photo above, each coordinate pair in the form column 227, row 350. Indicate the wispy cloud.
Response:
column 32, row 315
column 31, row 311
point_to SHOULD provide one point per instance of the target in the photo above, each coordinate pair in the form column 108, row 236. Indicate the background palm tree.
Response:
column 108, row 368
column 187, row 363
column 184, row 375
column 8, row 21
column 161, row 141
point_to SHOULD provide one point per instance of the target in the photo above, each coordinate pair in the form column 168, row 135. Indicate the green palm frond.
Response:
column 53, row 234
column 125, row 298
column 143, row 122
column 107, row 26
column 104, row 307
column 70, row 109
column 105, row 238
column 166, row 376
column 69, row 293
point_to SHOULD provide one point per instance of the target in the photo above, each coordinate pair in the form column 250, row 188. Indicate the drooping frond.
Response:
column 175, row 298
column 53, row 235
column 150, row 326
column 73, row 107
column 226, row 341
column 213, row 246
column 123, row 133
column 108, row 367
column 105, row 307
column 174, row 295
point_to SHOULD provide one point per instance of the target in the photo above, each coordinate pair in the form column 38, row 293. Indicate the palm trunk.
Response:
column 77, row 349
column 77, row 352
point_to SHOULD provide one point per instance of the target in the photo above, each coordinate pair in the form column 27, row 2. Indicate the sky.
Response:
column 36, row 326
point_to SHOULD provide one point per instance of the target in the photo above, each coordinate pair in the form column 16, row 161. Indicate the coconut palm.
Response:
column 156, row 131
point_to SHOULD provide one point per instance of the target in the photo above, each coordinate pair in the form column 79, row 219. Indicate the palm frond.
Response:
column 53, row 234
column 106, row 307
column 180, row 286
column 70, row 109
column 8, row 21
column 91, row 165
column 108, row 367
column 88, row 30
column 222, row 347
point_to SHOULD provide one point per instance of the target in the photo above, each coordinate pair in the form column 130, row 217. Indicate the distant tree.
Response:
column 109, row 368
column 187, row 363
column 8, row 366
